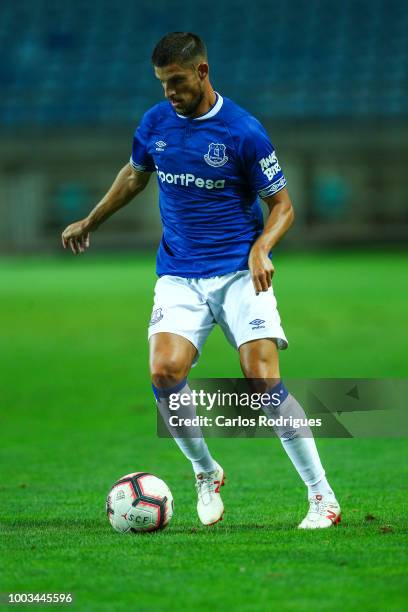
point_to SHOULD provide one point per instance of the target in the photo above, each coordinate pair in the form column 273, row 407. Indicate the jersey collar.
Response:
column 212, row 112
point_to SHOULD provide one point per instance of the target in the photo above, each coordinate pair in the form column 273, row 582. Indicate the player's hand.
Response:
column 261, row 268
column 76, row 236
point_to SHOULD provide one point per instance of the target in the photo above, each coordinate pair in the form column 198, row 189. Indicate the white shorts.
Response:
column 191, row 307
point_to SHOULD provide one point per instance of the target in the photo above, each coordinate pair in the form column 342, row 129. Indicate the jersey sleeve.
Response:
column 141, row 159
column 259, row 159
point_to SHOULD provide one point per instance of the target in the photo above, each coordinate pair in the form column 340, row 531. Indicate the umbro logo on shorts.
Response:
column 257, row 324
column 157, row 316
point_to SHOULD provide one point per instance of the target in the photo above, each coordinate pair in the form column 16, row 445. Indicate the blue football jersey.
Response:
column 210, row 171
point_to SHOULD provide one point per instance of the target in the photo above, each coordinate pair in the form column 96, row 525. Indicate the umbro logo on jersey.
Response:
column 160, row 144
column 216, row 155
column 257, row 323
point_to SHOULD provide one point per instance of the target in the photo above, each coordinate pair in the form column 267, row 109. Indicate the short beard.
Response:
column 191, row 109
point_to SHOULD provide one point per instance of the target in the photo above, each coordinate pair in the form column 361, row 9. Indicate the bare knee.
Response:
column 171, row 357
column 167, row 372
column 259, row 368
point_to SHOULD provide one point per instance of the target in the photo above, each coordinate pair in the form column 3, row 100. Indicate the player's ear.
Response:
column 202, row 70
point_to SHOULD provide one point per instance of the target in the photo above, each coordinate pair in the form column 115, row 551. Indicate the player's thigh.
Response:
column 260, row 361
column 170, row 356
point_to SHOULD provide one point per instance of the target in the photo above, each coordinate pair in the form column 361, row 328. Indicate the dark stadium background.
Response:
column 330, row 82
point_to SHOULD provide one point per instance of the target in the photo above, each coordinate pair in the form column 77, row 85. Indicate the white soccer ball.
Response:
column 139, row 502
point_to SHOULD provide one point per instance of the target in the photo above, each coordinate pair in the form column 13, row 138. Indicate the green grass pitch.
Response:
column 77, row 412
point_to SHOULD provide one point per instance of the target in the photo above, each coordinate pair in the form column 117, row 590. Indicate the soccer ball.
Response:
column 139, row 502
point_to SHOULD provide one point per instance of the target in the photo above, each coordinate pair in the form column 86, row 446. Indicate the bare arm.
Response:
column 125, row 187
column 281, row 216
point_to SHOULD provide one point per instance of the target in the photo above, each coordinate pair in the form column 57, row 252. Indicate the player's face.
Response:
column 183, row 86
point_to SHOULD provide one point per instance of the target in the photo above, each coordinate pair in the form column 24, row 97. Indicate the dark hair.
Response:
column 178, row 48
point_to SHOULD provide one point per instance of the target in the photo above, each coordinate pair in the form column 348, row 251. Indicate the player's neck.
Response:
column 208, row 101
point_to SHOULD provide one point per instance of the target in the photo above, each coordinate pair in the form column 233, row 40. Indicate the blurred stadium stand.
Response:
column 329, row 79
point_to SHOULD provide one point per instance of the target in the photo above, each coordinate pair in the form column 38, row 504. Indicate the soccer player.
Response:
column 212, row 160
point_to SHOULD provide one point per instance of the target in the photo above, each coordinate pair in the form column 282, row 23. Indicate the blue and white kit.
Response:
column 210, row 172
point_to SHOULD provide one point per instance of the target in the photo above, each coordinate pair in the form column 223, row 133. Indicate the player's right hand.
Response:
column 76, row 236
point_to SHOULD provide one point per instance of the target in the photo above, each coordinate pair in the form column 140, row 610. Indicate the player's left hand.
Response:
column 261, row 268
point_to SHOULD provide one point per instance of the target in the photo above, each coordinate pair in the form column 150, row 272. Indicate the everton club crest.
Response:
column 157, row 316
column 216, row 154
